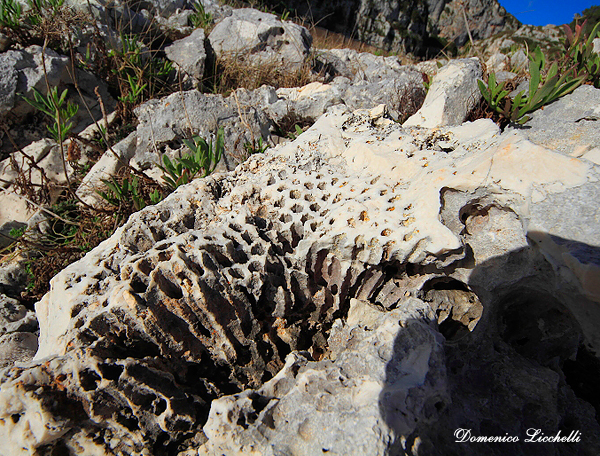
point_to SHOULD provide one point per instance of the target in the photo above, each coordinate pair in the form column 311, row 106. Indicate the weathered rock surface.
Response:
column 569, row 125
column 260, row 38
column 164, row 123
column 407, row 263
column 189, row 54
column 406, row 26
column 452, row 95
column 349, row 404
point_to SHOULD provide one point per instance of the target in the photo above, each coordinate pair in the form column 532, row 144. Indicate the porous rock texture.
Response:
column 365, row 289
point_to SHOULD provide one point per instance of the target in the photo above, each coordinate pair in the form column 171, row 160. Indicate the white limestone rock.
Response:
column 189, row 54
column 353, row 403
column 452, row 95
column 261, row 38
column 206, row 294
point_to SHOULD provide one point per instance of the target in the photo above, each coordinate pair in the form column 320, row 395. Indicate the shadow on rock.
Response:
column 525, row 372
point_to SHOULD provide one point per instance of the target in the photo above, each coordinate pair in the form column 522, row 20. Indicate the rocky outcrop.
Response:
column 365, row 280
column 407, row 26
column 484, row 18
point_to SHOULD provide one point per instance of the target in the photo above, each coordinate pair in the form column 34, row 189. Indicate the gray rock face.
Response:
column 189, row 54
column 569, row 125
column 22, row 71
column 260, row 38
column 484, row 17
column 366, row 280
column 406, row 26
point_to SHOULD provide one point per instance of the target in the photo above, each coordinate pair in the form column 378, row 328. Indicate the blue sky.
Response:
column 543, row 12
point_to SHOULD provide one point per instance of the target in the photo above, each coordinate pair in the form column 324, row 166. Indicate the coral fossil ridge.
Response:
column 207, row 292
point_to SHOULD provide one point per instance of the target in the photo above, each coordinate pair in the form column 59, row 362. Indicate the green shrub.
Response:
column 126, row 193
column 141, row 75
column 579, row 52
column 54, row 106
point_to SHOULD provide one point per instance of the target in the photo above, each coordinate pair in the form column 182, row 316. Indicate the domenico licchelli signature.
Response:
column 532, row 435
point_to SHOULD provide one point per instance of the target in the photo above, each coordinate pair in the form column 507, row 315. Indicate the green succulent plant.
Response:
column 200, row 162
column 579, row 51
column 543, row 89
column 10, row 14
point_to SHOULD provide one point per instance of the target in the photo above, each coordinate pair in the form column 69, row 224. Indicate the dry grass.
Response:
column 231, row 73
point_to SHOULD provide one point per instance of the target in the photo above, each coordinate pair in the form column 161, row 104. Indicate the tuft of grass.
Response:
column 10, row 14
column 232, row 72
column 200, row 18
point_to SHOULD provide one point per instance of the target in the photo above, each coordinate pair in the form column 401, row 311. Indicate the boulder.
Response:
column 17, row 347
column 189, row 54
column 363, row 81
column 15, row 318
column 22, row 71
column 451, row 96
column 367, row 280
column 164, row 123
column 260, row 38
